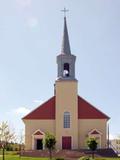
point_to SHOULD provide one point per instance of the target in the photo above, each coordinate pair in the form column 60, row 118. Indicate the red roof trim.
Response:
column 88, row 111
column 44, row 111
column 38, row 133
column 47, row 111
column 94, row 132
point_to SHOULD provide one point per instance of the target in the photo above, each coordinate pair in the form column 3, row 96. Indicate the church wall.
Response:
column 66, row 101
column 32, row 125
column 86, row 125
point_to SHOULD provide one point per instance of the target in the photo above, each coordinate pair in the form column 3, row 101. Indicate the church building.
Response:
column 66, row 115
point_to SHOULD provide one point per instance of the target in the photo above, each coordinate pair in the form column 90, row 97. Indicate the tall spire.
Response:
column 65, row 42
column 66, row 60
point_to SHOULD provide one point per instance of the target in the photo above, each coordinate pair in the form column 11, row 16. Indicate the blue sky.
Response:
column 30, row 40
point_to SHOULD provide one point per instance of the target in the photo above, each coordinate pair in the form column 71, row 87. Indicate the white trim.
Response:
column 34, row 137
column 95, row 130
column 38, row 130
column 65, row 123
column 33, row 144
column 96, row 135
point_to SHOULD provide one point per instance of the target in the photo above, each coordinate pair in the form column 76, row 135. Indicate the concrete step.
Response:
column 70, row 154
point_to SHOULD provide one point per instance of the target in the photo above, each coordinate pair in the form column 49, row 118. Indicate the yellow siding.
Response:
column 32, row 125
column 86, row 125
column 66, row 100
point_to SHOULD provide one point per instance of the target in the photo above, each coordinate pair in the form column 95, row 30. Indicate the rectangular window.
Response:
column 66, row 120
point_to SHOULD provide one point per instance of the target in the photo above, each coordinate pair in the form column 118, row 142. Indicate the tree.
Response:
column 6, row 136
column 50, row 142
column 92, row 144
column 21, row 142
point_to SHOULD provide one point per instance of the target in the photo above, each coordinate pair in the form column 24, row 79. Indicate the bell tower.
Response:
column 66, row 124
column 65, row 60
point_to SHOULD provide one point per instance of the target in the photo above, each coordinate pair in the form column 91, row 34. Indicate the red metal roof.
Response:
column 44, row 111
column 47, row 111
column 88, row 111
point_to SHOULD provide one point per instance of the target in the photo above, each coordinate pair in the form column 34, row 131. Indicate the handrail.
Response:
column 115, row 149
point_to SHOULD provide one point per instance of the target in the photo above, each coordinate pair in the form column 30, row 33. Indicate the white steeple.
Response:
column 65, row 42
column 65, row 60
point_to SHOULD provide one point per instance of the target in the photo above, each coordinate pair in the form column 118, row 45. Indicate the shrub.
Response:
column 92, row 144
column 85, row 158
column 50, row 142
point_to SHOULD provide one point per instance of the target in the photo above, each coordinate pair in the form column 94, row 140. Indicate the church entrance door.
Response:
column 66, row 142
column 39, row 144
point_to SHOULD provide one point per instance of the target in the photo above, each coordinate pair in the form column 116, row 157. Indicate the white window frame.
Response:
column 66, row 120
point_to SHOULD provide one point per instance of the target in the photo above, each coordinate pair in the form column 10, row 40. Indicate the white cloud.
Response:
column 113, row 136
column 32, row 22
column 24, row 3
column 21, row 111
column 25, row 8
column 38, row 101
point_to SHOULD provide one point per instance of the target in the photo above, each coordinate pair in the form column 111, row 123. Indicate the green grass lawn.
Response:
column 16, row 157
column 107, row 158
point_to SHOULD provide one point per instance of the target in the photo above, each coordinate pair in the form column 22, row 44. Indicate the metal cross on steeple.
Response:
column 65, row 42
column 65, row 10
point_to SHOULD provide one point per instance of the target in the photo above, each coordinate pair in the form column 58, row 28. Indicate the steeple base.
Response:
column 66, row 79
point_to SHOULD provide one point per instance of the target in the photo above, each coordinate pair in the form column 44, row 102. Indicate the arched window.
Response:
column 66, row 119
column 66, row 70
